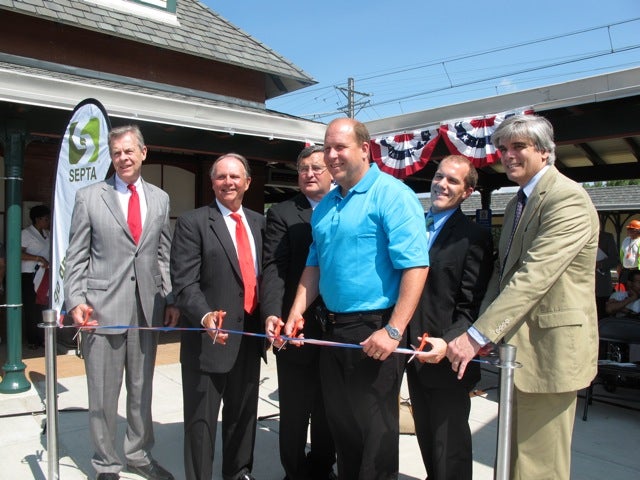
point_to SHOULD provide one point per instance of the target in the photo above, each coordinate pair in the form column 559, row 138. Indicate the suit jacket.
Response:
column 206, row 276
column 546, row 304
column 461, row 262
column 104, row 266
column 286, row 245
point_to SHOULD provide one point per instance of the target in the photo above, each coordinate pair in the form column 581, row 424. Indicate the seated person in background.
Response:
column 626, row 303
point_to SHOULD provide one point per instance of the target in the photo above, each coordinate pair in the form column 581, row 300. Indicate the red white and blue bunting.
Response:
column 403, row 154
column 406, row 153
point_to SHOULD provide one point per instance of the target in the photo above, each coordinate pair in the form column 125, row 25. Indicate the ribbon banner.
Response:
column 403, row 154
column 406, row 153
column 83, row 160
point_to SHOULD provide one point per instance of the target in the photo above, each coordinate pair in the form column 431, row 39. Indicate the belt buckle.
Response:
column 331, row 317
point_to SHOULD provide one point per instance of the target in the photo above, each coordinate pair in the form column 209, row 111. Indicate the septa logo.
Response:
column 84, row 142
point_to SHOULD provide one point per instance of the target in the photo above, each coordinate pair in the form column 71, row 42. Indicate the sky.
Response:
column 414, row 55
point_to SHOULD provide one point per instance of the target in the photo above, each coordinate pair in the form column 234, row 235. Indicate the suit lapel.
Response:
column 111, row 200
column 220, row 230
column 518, row 249
column 303, row 207
column 254, row 225
column 153, row 210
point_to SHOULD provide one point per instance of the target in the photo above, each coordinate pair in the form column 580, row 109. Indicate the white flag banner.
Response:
column 83, row 159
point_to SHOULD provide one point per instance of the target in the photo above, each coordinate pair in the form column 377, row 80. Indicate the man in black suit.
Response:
column 286, row 245
column 461, row 254
column 213, row 285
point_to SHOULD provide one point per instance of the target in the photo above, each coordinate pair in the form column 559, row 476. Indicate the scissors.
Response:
column 423, row 343
column 297, row 326
column 85, row 320
column 218, row 324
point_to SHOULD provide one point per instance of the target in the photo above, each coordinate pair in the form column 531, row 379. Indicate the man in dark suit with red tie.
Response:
column 216, row 259
column 286, row 245
column 461, row 254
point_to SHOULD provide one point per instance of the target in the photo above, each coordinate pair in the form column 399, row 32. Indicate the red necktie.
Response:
column 247, row 267
column 134, row 219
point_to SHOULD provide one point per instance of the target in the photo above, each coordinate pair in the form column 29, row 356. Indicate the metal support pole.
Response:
column 507, row 365
column 13, row 137
column 49, row 319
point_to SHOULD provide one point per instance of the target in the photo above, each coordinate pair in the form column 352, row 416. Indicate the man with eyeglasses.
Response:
column 286, row 245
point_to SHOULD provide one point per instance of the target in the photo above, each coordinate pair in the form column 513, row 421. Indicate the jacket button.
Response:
column 133, row 279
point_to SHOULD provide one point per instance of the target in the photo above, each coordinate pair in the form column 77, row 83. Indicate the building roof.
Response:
column 606, row 199
column 595, row 119
column 194, row 30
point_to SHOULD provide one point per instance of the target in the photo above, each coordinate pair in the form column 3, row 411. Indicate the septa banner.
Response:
column 84, row 159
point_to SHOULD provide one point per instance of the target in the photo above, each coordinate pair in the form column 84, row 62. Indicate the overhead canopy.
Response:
column 44, row 84
column 596, row 122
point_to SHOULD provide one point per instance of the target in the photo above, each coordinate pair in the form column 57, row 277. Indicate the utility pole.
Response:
column 350, row 92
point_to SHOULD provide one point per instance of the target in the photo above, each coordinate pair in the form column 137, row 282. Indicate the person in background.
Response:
column 216, row 260
column 286, row 246
column 36, row 247
column 461, row 262
column 540, row 299
column 630, row 250
column 369, row 262
column 117, row 273
column 606, row 259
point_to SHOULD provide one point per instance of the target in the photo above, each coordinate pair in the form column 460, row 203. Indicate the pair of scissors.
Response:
column 218, row 324
column 85, row 320
column 297, row 326
column 423, row 343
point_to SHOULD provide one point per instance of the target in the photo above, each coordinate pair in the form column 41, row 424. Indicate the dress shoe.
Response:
column 108, row 476
column 151, row 471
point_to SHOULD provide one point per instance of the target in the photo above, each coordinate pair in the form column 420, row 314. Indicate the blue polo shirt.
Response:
column 364, row 241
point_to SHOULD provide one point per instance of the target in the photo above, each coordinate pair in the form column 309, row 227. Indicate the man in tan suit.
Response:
column 540, row 299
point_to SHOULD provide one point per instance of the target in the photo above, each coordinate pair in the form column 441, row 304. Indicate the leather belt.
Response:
column 334, row 318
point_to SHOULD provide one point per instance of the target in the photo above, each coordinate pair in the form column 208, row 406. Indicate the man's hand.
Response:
column 213, row 321
column 81, row 316
column 461, row 351
column 171, row 316
column 272, row 328
column 436, row 354
column 379, row 345
column 293, row 327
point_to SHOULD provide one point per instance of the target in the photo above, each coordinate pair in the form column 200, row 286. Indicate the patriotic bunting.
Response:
column 404, row 154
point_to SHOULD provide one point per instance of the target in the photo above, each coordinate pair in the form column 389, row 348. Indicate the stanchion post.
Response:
column 49, row 320
column 507, row 366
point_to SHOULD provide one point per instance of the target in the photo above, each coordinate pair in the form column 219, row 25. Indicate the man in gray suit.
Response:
column 120, row 274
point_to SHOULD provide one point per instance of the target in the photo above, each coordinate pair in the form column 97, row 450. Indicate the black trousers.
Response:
column 31, row 312
column 300, row 398
column 202, row 394
column 361, row 400
column 441, row 417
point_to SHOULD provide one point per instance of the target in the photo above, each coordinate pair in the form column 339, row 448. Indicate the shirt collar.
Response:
column 226, row 212
column 531, row 184
column 121, row 185
column 440, row 218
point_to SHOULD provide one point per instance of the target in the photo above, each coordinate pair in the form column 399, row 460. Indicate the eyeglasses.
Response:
column 315, row 169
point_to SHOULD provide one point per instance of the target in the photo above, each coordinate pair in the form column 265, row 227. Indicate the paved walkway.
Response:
column 606, row 446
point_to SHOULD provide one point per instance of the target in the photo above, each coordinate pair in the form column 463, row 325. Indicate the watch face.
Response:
column 393, row 332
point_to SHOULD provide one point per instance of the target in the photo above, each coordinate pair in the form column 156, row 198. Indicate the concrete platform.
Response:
column 605, row 446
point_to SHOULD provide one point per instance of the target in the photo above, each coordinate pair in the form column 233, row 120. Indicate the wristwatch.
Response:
column 394, row 333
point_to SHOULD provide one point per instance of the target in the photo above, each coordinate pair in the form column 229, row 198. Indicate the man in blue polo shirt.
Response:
column 369, row 261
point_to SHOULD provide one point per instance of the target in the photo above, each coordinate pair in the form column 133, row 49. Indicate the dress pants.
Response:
column 106, row 357
column 541, row 435
column 361, row 400
column 300, row 398
column 202, row 393
column 31, row 312
column 441, row 417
